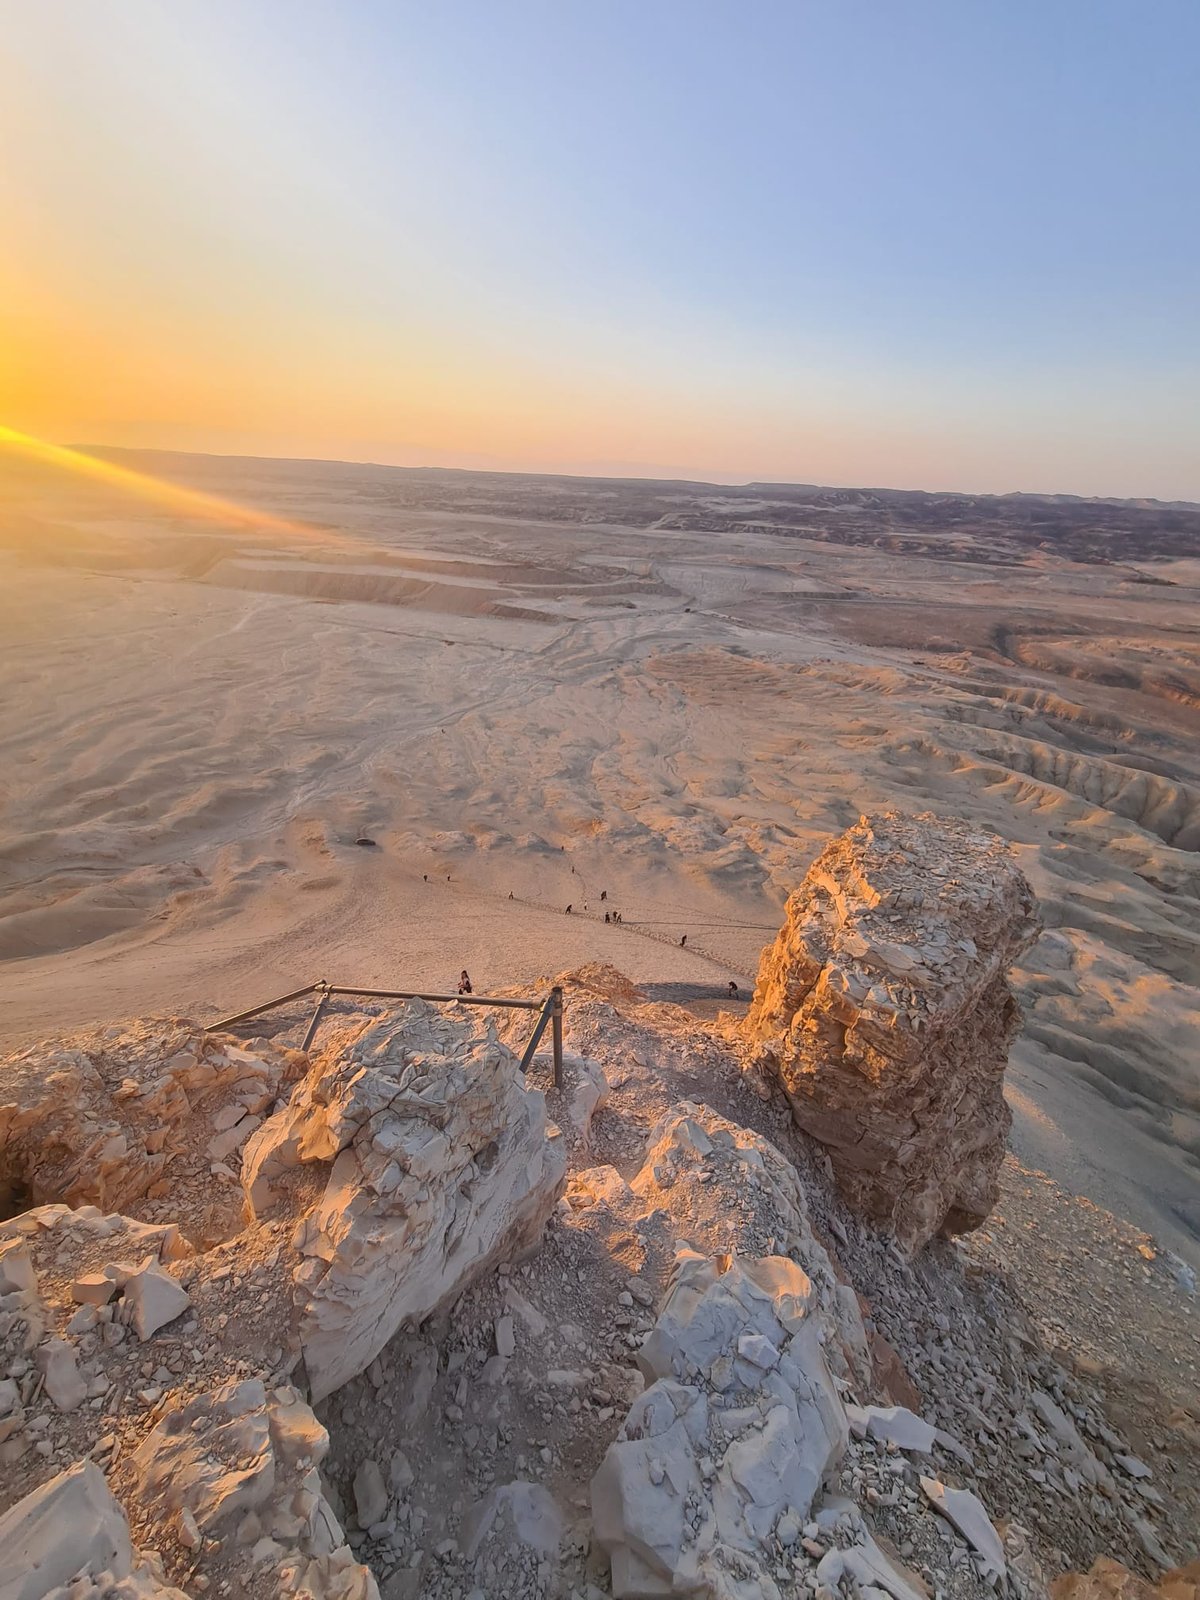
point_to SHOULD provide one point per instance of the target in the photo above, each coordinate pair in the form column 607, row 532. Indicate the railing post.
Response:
column 556, row 996
column 536, row 1036
column 315, row 1023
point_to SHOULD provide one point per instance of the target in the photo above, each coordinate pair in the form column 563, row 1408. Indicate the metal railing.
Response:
column 550, row 1012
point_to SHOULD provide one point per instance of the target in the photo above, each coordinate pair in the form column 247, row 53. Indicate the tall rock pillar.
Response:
column 884, row 1006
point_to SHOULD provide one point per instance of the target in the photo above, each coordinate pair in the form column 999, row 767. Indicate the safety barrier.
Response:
column 550, row 1012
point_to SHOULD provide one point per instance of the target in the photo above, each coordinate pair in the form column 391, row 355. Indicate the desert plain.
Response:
column 531, row 692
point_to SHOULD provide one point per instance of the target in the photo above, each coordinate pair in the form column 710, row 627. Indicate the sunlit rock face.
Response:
column 418, row 1159
column 884, row 1007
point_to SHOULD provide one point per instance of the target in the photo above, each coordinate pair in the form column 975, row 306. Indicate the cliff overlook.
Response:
column 389, row 1318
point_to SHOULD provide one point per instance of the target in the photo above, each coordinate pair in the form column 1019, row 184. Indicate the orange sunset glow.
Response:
column 170, row 496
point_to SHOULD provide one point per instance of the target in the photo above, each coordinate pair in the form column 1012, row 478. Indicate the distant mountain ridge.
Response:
column 753, row 488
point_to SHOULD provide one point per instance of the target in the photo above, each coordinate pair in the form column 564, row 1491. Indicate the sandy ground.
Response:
column 195, row 728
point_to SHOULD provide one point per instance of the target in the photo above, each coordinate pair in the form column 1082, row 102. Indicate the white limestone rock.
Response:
column 336, row 1576
column 1073, row 1450
column 60, row 1372
column 370, row 1494
column 892, row 1425
column 516, row 1513
column 216, row 1455
column 700, row 1166
column 94, row 1288
column 400, row 1473
column 672, row 1527
column 1055, row 1418
column 237, row 1450
column 640, row 1492
column 16, row 1268
column 70, row 1537
column 125, row 1236
column 19, row 1286
column 868, row 1568
column 225, row 1143
column 425, row 1159
column 154, row 1298
column 968, row 1514
column 585, row 1091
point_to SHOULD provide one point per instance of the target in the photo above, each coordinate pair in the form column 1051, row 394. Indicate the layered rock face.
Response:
column 884, row 1007
column 420, row 1159
column 151, row 1115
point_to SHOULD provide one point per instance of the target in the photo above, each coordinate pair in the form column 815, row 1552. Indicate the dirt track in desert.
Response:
column 554, row 688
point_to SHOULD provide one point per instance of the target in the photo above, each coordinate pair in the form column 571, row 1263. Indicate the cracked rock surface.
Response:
column 471, row 1336
column 885, row 1008
column 419, row 1161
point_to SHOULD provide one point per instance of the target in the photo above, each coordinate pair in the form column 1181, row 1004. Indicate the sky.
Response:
column 928, row 245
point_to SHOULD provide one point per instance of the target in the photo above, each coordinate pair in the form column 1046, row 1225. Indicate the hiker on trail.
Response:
column 683, row 941
column 604, row 894
column 607, row 918
column 733, row 990
column 464, row 982
column 569, row 910
column 510, row 894
column 425, row 875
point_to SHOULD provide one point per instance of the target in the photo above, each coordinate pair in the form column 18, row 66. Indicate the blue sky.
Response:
column 937, row 245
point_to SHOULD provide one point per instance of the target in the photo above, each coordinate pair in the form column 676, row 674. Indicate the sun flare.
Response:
column 175, row 497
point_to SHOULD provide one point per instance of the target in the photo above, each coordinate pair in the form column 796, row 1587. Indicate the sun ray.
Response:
column 173, row 496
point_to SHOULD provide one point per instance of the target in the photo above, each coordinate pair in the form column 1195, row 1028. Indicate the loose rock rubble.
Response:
column 157, row 1357
column 885, row 1009
column 466, row 1340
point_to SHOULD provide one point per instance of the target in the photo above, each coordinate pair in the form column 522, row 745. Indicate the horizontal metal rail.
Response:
column 443, row 999
column 257, row 1011
column 550, row 1009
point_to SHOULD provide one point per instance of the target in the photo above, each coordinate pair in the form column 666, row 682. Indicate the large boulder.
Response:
column 240, row 1467
column 69, row 1540
column 885, row 1009
column 716, row 1180
column 417, row 1157
column 736, row 1435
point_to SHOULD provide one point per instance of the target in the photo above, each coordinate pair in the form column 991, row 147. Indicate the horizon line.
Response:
column 639, row 478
